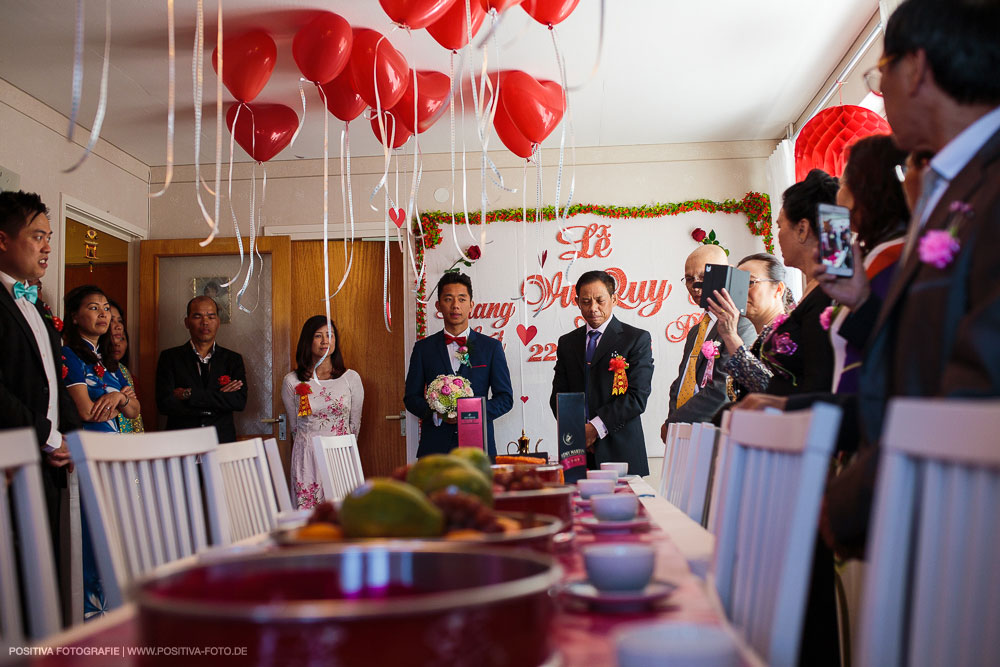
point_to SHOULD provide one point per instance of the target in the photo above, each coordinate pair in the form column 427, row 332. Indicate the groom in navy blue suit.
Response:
column 438, row 355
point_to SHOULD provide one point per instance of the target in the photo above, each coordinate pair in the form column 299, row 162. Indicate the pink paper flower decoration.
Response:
column 826, row 318
column 938, row 247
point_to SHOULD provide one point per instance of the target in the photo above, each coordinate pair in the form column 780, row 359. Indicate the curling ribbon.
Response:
column 172, row 103
column 197, row 72
column 347, row 201
column 232, row 211
column 326, row 225
column 77, row 71
column 218, row 136
column 102, row 104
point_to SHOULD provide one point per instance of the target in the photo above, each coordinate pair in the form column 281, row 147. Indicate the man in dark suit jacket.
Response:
column 483, row 363
column 31, row 391
column 689, row 401
column 201, row 383
column 937, row 333
column 583, row 359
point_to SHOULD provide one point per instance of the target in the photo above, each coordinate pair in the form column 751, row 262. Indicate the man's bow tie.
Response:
column 449, row 339
column 29, row 293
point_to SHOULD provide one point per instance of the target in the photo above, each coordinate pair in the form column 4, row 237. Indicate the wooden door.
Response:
column 376, row 354
column 151, row 289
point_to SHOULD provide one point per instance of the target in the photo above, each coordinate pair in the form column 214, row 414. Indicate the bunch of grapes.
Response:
column 324, row 512
column 464, row 511
column 522, row 478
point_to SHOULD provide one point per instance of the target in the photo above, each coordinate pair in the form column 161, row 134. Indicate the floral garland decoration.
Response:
column 303, row 390
column 618, row 366
column 754, row 205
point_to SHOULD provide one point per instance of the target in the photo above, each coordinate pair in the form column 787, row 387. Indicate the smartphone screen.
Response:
column 834, row 231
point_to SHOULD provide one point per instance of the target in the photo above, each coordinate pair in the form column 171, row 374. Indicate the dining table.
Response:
column 583, row 636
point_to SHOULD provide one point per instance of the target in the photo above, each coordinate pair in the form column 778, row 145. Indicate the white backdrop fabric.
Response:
column 646, row 256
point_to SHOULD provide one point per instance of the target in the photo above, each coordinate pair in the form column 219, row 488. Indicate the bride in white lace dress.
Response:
column 329, row 404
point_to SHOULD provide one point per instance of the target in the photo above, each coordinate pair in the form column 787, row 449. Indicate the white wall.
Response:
column 33, row 144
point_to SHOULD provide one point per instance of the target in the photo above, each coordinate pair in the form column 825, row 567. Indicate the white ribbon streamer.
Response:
column 102, row 104
column 172, row 103
column 77, row 90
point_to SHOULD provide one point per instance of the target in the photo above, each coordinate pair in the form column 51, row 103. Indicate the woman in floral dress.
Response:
column 327, row 404
column 101, row 394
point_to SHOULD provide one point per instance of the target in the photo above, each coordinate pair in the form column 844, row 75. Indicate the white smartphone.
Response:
column 834, row 231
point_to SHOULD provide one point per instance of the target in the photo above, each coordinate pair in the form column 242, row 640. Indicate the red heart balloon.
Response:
column 263, row 130
column 499, row 5
column 399, row 138
column 341, row 98
column 535, row 107
column 452, row 30
column 322, row 47
column 432, row 95
column 549, row 12
column 389, row 68
column 416, row 14
column 512, row 138
column 248, row 61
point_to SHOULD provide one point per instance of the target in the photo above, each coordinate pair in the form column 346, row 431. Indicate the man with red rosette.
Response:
column 31, row 392
column 612, row 363
column 458, row 350
column 201, row 383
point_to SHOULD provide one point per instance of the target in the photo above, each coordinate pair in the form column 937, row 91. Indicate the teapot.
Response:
column 523, row 444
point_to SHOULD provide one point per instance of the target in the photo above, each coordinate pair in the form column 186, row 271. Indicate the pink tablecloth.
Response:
column 583, row 637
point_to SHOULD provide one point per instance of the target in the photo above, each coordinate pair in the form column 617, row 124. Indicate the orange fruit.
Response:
column 319, row 532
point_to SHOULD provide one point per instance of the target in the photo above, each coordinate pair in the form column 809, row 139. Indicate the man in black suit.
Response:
column 584, row 362
column 937, row 333
column 457, row 350
column 31, row 390
column 201, row 383
column 690, row 402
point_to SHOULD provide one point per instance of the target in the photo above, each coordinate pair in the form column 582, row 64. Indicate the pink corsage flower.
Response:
column 446, row 390
column 938, row 247
column 710, row 349
column 826, row 318
column 783, row 344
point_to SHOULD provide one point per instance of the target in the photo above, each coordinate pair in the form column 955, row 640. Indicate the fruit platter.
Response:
column 448, row 497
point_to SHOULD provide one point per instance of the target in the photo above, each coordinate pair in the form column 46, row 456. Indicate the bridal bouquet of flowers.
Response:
column 443, row 393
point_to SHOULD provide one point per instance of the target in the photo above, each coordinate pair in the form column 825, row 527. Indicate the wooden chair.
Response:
column 769, row 505
column 247, row 487
column 932, row 589
column 144, row 501
column 278, row 479
column 19, row 454
column 338, row 464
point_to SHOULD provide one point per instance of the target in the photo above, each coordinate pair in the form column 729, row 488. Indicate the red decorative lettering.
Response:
column 595, row 241
column 677, row 330
column 646, row 296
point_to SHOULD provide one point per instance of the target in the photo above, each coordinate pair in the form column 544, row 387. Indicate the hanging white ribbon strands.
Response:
column 197, row 72
column 326, row 221
column 232, row 211
column 102, row 103
column 218, row 133
column 171, row 104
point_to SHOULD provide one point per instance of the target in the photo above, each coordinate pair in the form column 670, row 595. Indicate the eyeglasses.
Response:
column 692, row 282
column 873, row 77
column 754, row 281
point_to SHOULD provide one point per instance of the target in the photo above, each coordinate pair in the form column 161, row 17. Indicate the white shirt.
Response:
column 955, row 156
column 453, row 349
column 44, row 343
column 597, row 422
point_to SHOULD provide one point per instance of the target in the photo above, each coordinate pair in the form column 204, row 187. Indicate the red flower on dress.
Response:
column 99, row 370
column 224, row 380
column 65, row 371
column 57, row 323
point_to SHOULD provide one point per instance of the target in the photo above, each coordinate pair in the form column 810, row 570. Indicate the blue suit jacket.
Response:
column 488, row 372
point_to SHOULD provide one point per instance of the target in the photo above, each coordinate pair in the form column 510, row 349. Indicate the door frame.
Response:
column 280, row 249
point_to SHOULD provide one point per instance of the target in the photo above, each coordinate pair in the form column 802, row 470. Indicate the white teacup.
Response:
column 670, row 642
column 602, row 474
column 620, row 468
column 590, row 487
column 615, row 506
column 619, row 567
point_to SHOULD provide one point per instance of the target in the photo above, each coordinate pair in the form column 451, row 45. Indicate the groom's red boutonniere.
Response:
column 224, row 380
column 618, row 365
column 303, row 390
column 938, row 247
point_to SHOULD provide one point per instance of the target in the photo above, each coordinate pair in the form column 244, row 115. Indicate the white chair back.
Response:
column 668, row 450
column 677, row 464
column 278, row 479
column 19, row 454
column 248, row 489
column 339, row 465
column 688, row 468
column 768, row 508
column 144, row 500
column 932, row 589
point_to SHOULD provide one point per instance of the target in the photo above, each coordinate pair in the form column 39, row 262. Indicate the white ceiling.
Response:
column 671, row 71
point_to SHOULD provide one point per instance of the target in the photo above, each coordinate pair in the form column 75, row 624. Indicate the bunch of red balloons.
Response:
column 358, row 68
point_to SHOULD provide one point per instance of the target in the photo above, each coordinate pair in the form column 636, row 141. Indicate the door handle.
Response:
column 280, row 421
column 401, row 418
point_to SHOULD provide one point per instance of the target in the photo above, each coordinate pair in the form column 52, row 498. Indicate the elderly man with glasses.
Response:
column 693, row 396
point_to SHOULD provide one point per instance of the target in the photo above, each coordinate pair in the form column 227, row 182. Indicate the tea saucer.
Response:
column 617, row 601
column 595, row 525
column 582, row 503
